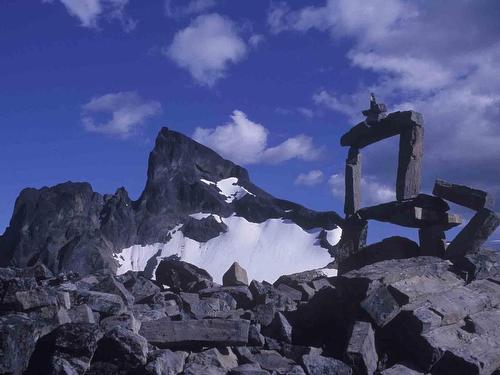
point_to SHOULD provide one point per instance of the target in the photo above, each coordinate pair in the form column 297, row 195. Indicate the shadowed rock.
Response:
column 411, row 144
column 474, row 199
column 197, row 333
column 352, row 199
column 474, row 234
column 361, row 349
column 178, row 274
column 235, row 276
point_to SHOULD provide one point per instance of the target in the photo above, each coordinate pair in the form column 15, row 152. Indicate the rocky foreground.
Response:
column 400, row 316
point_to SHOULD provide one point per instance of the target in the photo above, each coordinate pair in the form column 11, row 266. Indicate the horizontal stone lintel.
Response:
column 410, row 216
column 364, row 134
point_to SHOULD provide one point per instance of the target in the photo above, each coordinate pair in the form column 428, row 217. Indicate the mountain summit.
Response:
column 196, row 205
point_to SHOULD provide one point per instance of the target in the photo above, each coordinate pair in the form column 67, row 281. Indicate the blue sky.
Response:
column 86, row 85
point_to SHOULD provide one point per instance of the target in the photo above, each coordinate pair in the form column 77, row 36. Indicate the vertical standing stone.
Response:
column 474, row 234
column 410, row 162
column 361, row 351
column 432, row 241
column 352, row 181
column 354, row 233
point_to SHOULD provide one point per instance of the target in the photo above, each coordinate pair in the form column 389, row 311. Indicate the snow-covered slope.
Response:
column 195, row 204
column 266, row 250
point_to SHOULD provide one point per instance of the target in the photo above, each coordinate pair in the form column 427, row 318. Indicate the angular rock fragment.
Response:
column 353, row 238
column 361, row 350
column 235, row 276
column 71, row 346
column 105, row 303
column 139, row 286
column 352, row 199
column 432, row 241
column 248, row 369
column 474, row 234
column 381, row 306
column 81, row 314
column 474, row 199
column 319, row 365
column 178, row 274
column 279, row 329
column 389, row 248
column 271, row 360
column 110, row 285
column 165, row 362
column 400, row 370
column 127, row 321
column 211, row 361
column 17, row 342
column 167, row 334
column 123, row 348
column 411, row 150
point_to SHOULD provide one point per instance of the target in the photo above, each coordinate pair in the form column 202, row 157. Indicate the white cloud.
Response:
column 207, row 47
column 421, row 61
column 128, row 113
column 255, row 40
column 310, row 178
column 372, row 191
column 245, row 142
column 89, row 12
column 173, row 8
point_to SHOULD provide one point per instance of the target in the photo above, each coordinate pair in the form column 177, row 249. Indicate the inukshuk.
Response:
column 428, row 213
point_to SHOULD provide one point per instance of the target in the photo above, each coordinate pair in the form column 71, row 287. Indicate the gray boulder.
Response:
column 170, row 334
column 235, row 276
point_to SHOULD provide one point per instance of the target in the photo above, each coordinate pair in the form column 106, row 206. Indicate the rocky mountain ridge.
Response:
column 69, row 227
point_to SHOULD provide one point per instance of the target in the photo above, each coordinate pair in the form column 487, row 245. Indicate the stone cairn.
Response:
column 428, row 213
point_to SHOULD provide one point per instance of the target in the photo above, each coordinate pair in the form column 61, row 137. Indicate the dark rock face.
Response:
column 71, row 227
column 474, row 234
column 419, row 314
column 180, row 275
column 352, row 181
column 235, row 276
column 474, row 199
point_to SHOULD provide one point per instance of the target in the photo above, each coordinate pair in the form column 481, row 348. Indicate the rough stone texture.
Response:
column 178, row 274
column 17, row 342
column 279, row 329
column 319, row 365
column 361, row 350
column 474, row 234
column 400, row 370
column 474, row 199
column 352, row 198
column 235, row 276
column 411, row 150
column 123, row 348
column 389, row 248
column 353, row 238
column 381, row 306
column 395, row 123
column 69, row 227
column 211, row 362
column 165, row 333
column 417, row 212
column 432, row 241
column 165, row 362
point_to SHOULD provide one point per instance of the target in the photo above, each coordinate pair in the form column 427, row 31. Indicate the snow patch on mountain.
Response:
column 266, row 250
column 229, row 188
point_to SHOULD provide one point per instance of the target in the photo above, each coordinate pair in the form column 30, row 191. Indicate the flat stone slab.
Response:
column 165, row 333
column 474, row 234
column 418, row 212
column 474, row 199
column 365, row 134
